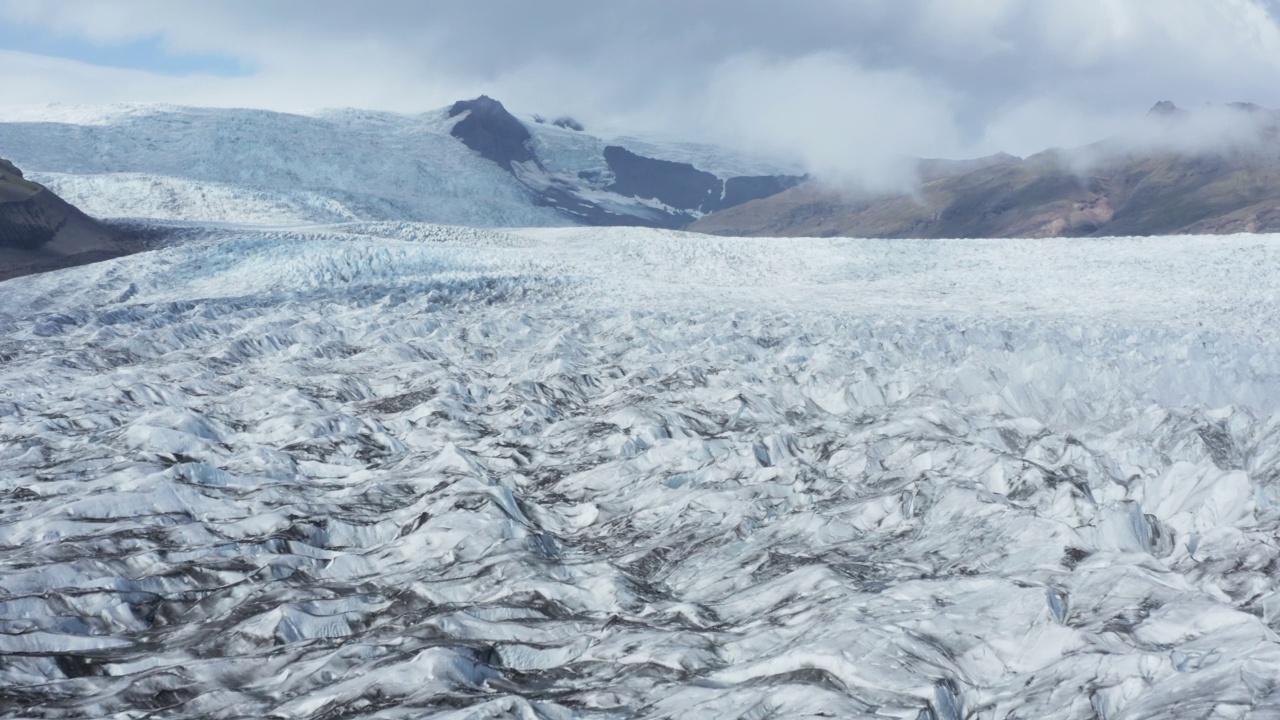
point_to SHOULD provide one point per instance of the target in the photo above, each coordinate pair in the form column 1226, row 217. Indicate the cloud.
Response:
column 848, row 124
column 1053, row 121
column 846, row 85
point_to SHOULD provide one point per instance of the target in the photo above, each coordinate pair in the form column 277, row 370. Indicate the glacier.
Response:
column 234, row 165
column 391, row 470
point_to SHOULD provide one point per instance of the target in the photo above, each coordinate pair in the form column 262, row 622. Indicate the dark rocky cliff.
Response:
column 491, row 131
column 40, row 231
column 684, row 191
column 683, row 187
column 678, row 185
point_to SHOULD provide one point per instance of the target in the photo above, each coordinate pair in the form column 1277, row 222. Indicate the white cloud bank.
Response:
column 846, row 86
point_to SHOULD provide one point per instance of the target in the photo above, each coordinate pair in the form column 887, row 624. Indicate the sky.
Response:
column 844, row 86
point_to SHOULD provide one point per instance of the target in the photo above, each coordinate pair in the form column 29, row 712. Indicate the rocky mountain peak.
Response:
column 483, row 105
column 9, row 168
column 491, row 131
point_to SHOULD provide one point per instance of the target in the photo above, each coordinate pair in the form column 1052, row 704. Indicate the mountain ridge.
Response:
column 473, row 163
column 1183, row 172
column 676, row 192
column 1213, row 170
column 40, row 231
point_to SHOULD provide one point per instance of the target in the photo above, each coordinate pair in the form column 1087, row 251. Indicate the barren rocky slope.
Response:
column 1214, row 177
column 40, row 231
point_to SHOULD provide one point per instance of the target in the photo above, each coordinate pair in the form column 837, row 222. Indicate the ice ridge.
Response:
column 392, row 470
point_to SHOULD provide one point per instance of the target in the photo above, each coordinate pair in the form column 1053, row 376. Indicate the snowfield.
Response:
column 185, row 163
column 269, row 168
column 396, row 470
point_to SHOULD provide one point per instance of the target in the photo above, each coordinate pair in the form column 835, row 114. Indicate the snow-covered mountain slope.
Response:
column 571, row 152
column 184, row 163
column 252, row 166
column 397, row 470
column 137, row 195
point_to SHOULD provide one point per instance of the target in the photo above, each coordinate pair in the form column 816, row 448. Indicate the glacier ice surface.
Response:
column 396, row 470
column 270, row 168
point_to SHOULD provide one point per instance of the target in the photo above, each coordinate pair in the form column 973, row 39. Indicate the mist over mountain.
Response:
column 1213, row 169
column 1210, row 170
column 347, row 441
column 513, row 396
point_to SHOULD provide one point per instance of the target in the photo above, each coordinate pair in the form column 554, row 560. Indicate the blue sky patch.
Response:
column 146, row 54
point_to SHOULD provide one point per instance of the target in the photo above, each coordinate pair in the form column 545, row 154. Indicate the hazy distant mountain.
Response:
column 470, row 164
column 1215, row 170
column 40, row 231
column 1212, row 170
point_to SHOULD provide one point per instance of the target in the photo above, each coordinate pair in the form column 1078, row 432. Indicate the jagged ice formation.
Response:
column 389, row 470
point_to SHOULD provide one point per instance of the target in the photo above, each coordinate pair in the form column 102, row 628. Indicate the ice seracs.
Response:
column 395, row 469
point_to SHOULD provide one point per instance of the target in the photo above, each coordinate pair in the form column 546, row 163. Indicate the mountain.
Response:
column 1210, row 170
column 631, row 188
column 41, row 231
column 1181, row 172
column 473, row 163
